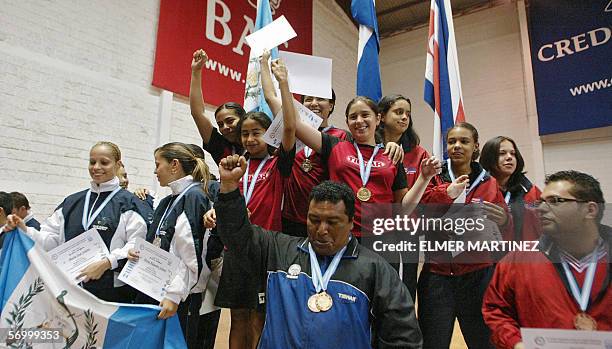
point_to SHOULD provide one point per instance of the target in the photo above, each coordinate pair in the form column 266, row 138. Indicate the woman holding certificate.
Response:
column 108, row 208
column 178, row 228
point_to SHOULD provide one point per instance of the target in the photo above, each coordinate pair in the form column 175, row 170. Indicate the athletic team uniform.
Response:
column 236, row 286
column 182, row 234
column 219, row 147
column 385, row 178
column 119, row 223
column 304, row 176
column 371, row 307
column 521, row 201
column 448, row 287
column 531, row 289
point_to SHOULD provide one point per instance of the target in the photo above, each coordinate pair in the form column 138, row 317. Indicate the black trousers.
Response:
column 443, row 298
column 207, row 329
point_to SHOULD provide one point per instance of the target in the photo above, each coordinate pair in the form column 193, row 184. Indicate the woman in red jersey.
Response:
column 396, row 126
column 502, row 158
column 374, row 177
column 453, row 287
column 262, row 187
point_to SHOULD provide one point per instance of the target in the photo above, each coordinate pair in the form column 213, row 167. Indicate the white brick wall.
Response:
column 494, row 93
column 75, row 72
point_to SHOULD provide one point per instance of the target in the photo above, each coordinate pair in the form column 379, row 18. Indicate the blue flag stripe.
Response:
column 14, row 254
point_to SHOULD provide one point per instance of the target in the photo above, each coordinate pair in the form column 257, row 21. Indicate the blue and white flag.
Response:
column 368, row 69
column 37, row 299
column 442, row 80
column 254, row 99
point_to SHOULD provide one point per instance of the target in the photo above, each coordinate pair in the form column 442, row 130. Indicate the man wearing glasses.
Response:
column 567, row 284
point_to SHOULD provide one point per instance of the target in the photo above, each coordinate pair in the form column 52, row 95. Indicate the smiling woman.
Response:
column 109, row 209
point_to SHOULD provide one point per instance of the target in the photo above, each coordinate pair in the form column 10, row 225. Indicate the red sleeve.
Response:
column 435, row 193
column 533, row 195
column 498, row 308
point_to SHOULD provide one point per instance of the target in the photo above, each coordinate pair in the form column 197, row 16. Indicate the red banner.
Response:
column 219, row 27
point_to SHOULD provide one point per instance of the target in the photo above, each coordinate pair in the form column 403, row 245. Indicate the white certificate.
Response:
column 308, row 75
column 270, row 36
column 538, row 338
column 152, row 272
column 274, row 134
column 75, row 254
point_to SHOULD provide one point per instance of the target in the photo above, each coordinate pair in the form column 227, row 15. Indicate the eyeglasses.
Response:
column 555, row 200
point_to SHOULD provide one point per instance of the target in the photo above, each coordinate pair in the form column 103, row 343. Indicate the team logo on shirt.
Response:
column 410, row 170
column 347, row 298
column 355, row 160
column 260, row 177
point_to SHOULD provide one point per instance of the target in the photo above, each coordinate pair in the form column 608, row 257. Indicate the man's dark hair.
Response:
column 586, row 187
column 6, row 202
column 20, row 200
column 335, row 192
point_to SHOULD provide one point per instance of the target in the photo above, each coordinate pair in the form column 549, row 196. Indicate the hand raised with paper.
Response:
column 265, row 57
column 279, row 69
column 199, row 58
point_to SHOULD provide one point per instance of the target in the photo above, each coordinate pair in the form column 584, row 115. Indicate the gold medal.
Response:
column 306, row 165
column 157, row 241
column 312, row 304
column 364, row 194
column 324, row 301
column 584, row 322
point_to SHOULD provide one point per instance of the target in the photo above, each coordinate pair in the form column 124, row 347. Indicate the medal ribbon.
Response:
column 88, row 217
column 364, row 171
column 170, row 207
column 247, row 188
column 582, row 296
column 308, row 150
column 320, row 282
column 478, row 179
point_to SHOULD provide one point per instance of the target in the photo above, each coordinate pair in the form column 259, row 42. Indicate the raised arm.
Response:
column 280, row 73
column 268, row 86
column 196, row 104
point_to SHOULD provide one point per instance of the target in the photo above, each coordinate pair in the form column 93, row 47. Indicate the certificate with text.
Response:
column 75, row 254
column 152, row 272
column 537, row 338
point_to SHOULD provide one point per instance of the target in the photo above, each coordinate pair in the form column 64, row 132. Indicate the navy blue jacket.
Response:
column 371, row 306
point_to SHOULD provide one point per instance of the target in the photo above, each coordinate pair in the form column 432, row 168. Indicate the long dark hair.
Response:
column 409, row 138
column 489, row 161
column 262, row 119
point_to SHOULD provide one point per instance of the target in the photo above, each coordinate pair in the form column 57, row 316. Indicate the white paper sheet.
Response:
column 538, row 338
column 75, row 254
column 308, row 75
column 274, row 134
column 270, row 36
column 152, row 272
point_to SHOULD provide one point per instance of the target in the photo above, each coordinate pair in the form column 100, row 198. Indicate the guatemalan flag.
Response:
column 442, row 82
column 368, row 69
column 254, row 99
column 35, row 294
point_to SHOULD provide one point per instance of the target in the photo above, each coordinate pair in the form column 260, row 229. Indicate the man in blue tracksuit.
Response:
column 324, row 291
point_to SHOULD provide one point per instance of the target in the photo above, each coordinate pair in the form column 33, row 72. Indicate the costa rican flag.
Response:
column 442, row 81
column 368, row 69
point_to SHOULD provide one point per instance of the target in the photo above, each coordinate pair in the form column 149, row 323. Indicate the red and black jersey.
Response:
column 412, row 163
column 266, row 201
column 219, row 147
column 385, row 177
column 442, row 262
column 528, row 289
column 301, row 182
